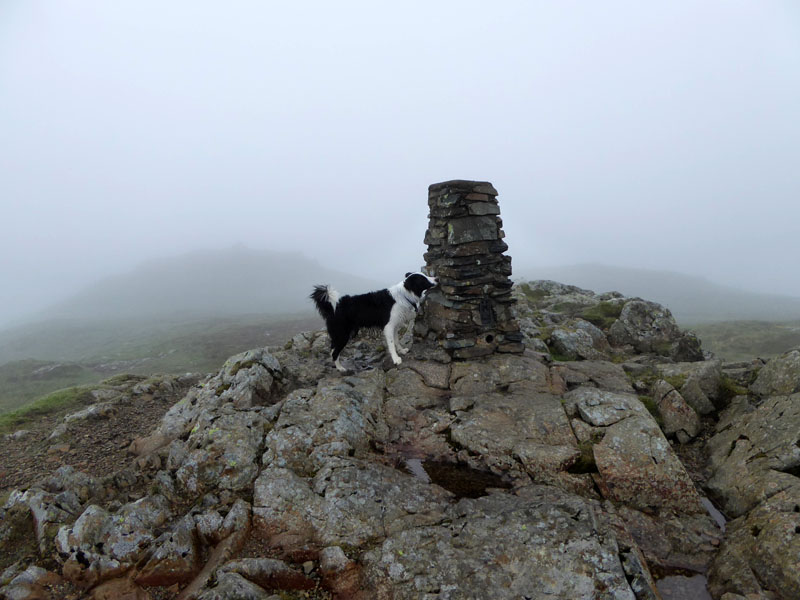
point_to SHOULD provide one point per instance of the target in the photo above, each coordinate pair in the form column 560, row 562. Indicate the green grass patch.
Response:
column 602, row 315
column 652, row 408
column 676, row 381
column 585, row 462
column 60, row 400
column 728, row 389
column 533, row 296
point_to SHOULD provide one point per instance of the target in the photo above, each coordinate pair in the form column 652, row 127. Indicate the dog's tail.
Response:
column 325, row 298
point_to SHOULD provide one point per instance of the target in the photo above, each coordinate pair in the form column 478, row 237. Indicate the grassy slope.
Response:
column 742, row 340
column 76, row 353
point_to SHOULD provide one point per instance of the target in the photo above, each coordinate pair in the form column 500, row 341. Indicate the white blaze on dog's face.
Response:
column 419, row 283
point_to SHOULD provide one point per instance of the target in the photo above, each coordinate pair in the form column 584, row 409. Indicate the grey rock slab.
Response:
column 528, row 427
column 503, row 547
column 601, row 408
column 761, row 551
column 496, row 372
column 347, row 503
column 756, row 452
column 602, row 374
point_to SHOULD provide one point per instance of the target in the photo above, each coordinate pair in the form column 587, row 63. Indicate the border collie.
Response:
column 384, row 309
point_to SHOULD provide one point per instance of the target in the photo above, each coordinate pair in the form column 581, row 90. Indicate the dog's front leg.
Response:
column 389, row 334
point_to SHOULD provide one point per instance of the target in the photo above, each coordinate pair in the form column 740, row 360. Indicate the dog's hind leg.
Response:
column 336, row 350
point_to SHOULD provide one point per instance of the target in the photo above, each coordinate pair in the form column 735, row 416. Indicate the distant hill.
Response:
column 691, row 299
column 235, row 281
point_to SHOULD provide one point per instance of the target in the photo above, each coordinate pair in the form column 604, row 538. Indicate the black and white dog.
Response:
column 384, row 309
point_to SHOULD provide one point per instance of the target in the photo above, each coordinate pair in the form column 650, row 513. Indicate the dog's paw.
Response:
column 403, row 351
column 397, row 360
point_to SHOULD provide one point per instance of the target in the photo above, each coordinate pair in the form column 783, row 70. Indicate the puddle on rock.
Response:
column 714, row 512
column 459, row 479
column 680, row 587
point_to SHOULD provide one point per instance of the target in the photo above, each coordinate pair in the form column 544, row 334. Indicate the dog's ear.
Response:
column 409, row 274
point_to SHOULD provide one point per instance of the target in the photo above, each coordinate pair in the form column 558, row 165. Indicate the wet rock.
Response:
column 434, row 374
column 780, row 375
column 678, row 417
column 251, row 378
column 269, row 573
column 755, row 453
column 546, row 543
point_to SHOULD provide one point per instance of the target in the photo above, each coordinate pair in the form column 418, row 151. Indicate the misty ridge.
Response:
column 207, row 283
column 243, row 281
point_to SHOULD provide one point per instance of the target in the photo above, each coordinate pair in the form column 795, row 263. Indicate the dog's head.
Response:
column 419, row 283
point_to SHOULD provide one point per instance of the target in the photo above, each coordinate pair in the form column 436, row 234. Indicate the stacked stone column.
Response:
column 470, row 312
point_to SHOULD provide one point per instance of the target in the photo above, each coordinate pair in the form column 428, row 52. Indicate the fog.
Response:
column 620, row 133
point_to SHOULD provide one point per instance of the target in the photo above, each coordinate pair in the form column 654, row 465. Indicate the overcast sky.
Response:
column 659, row 135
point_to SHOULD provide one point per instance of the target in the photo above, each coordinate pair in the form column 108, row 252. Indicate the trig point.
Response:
column 470, row 312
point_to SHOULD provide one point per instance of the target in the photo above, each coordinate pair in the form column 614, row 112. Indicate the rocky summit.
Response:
column 586, row 467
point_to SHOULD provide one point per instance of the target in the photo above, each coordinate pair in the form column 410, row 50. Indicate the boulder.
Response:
column 577, row 339
column 679, row 419
column 650, row 328
column 780, row 375
column 635, row 462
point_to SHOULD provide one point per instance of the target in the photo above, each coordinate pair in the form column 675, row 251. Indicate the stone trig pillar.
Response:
column 470, row 312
